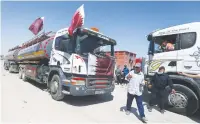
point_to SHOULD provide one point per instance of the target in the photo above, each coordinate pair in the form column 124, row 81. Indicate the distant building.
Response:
column 124, row 58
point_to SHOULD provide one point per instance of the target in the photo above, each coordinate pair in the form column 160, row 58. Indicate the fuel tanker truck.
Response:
column 69, row 65
column 72, row 61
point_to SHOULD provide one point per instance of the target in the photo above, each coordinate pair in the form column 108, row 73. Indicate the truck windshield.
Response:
column 92, row 44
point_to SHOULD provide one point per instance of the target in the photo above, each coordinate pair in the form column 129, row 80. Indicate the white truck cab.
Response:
column 81, row 63
column 177, row 48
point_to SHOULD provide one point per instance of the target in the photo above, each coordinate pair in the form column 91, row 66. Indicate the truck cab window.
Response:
column 187, row 40
column 166, row 43
column 63, row 44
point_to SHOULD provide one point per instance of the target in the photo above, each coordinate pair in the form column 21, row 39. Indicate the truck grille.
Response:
column 98, row 83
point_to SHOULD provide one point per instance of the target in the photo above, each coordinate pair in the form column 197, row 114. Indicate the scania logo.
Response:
column 103, row 37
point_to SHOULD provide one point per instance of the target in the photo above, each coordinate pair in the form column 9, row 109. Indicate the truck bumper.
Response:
column 84, row 91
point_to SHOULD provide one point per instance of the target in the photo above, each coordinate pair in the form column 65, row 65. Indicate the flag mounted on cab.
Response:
column 37, row 25
column 77, row 20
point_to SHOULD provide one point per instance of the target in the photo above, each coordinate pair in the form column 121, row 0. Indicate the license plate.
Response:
column 99, row 92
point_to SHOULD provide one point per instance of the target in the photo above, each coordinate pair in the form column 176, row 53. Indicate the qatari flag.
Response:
column 77, row 20
column 37, row 25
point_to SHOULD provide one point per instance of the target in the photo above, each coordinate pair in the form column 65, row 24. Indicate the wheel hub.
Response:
column 178, row 100
column 54, row 86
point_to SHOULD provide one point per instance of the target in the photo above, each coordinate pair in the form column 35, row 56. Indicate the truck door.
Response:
column 189, row 53
column 61, row 53
column 166, row 50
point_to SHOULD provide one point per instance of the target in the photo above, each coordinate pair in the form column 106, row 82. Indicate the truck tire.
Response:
column 20, row 74
column 24, row 78
column 184, row 99
column 56, row 88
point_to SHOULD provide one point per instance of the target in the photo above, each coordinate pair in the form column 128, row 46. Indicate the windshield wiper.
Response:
column 102, row 53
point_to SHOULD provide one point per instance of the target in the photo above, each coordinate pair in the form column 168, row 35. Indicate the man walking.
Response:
column 135, row 88
column 125, row 72
column 118, row 75
column 159, row 83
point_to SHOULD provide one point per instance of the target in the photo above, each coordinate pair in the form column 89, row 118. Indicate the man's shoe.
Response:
column 162, row 111
column 144, row 119
column 127, row 112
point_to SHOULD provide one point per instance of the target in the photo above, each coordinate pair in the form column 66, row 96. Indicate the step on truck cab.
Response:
column 177, row 48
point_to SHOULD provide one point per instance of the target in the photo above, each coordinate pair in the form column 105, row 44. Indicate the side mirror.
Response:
column 68, row 62
column 151, row 48
column 149, row 37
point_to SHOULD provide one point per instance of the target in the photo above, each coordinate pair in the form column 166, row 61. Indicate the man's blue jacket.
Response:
column 126, row 71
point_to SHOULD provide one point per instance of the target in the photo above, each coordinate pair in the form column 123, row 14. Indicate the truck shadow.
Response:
column 37, row 85
column 146, row 96
column 87, row 100
column 77, row 100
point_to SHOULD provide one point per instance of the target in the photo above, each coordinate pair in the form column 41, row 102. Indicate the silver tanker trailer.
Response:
column 10, row 60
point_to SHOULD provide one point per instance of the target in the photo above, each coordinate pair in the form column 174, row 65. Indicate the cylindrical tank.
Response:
column 12, row 55
column 37, row 51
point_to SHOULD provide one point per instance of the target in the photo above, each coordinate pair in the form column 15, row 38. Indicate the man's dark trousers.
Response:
column 138, row 101
column 119, row 80
column 158, row 98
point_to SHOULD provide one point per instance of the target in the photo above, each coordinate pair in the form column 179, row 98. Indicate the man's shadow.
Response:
column 154, row 107
column 133, row 110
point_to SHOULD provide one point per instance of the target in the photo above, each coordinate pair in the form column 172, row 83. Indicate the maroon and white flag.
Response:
column 77, row 20
column 37, row 25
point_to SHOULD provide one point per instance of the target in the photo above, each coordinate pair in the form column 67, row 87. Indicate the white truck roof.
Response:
column 189, row 27
column 65, row 30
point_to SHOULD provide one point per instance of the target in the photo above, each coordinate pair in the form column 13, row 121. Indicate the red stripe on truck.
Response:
column 78, row 78
column 101, row 83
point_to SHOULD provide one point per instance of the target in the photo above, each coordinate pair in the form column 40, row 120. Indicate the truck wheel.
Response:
column 56, row 88
column 24, row 78
column 20, row 74
column 184, row 99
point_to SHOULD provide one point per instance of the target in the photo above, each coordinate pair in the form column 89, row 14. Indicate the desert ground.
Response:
column 28, row 102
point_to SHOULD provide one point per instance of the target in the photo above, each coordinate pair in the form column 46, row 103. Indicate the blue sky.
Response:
column 126, row 22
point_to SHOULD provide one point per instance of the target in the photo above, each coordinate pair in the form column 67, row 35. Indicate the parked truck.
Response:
column 185, row 57
column 74, row 65
column 10, row 60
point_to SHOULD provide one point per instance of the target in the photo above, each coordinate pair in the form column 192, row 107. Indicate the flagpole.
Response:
column 43, row 25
